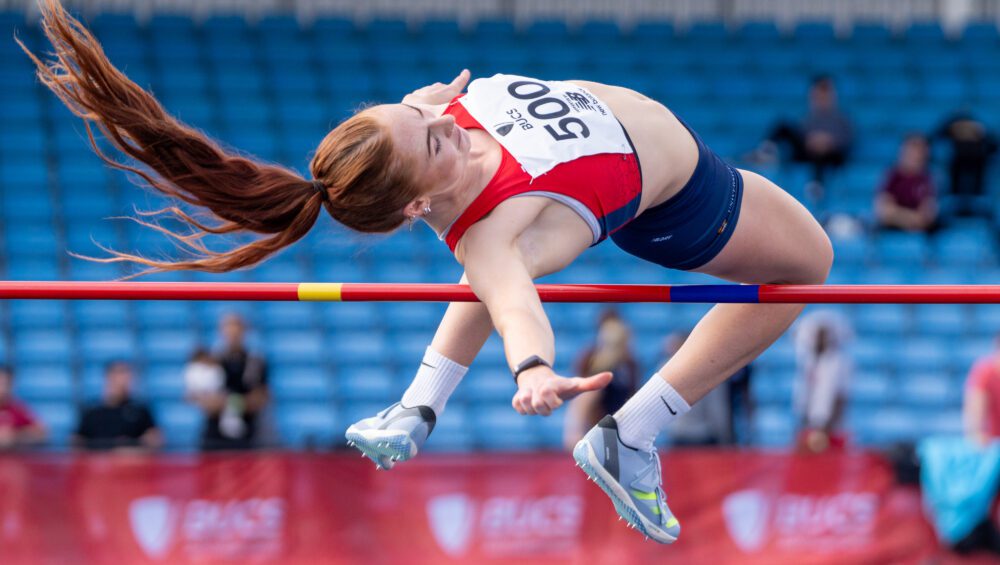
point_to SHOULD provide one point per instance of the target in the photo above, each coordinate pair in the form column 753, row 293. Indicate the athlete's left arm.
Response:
column 502, row 256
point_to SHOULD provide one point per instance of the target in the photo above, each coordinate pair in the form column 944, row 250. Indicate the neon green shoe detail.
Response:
column 643, row 495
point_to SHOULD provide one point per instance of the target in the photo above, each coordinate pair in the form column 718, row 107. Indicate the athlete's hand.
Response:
column 439, row 93
column 540, row 390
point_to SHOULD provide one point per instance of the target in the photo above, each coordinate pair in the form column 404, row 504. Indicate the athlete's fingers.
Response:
column 459, row 82
column 553, row 401
column 525, row 402
column 576, row 385
column 518, row 402
column 539, row 405
column 546, row 400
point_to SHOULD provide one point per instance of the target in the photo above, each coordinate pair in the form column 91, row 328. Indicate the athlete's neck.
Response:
column 449, row 204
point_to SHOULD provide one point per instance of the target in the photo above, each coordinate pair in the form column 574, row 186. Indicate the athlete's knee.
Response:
column 813, row 263
column 818, row 261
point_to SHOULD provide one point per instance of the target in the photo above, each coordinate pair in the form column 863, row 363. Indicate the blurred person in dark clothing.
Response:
column 722, row 417
column 232, row 410
column 822, row 138
column 907, row 200
column 18, row 426
column 117, row 421
column 611, row 352
column 972, row 149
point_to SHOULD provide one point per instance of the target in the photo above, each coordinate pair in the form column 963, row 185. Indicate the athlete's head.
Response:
column 381, row 165
column 370, row 166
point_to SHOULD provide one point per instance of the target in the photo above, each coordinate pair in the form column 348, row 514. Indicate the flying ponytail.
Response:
column 246, row 196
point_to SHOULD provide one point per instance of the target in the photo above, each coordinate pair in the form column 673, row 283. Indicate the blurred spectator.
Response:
column 722, row 417
column 612, row 352
column 18, row 426
column 203, row 375
column 907, row 200
column 824, row 372
column 972, row 148
column 231, row 409
column 118, row 421
column 981, row 407
column 822, row 138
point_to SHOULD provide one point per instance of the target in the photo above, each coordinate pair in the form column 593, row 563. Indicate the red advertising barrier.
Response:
column 734, row 507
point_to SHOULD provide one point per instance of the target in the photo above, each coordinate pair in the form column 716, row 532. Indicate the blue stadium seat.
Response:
column 180, row 423
column 303, row 382
column 934, row 391
column 485, row 384
column 358, row 349
column 774, row 386
column 101, row 313
column 165, row 315
column 371, row 383
column 25, row 314
column 870, row 387
column 943, row 319
column 45, row 382
column 921, row 355
column 308, row 424
column 501, row 428
column 102, row 345
column 453, row 431
column 42, row 346
column 290, row 346
column 162, row 381
column 167, row 345
column 59, row 418
column 773, row 427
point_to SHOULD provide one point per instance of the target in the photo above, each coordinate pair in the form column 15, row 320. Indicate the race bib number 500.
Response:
column 544, row 123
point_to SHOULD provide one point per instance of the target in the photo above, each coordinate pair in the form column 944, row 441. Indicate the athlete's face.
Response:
column 436, row 146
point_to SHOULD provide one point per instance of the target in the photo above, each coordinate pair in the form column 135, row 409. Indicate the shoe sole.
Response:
column 383, row 447
column 587, row 460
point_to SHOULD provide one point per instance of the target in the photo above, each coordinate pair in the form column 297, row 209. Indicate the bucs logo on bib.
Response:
column 544, row 123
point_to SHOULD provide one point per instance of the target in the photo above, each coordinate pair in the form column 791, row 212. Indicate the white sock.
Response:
column 648, row 412
column 435, row 381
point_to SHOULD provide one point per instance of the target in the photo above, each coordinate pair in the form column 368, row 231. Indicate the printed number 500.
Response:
column 548, row 108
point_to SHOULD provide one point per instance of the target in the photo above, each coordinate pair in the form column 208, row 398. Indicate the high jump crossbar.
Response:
column 604, row 293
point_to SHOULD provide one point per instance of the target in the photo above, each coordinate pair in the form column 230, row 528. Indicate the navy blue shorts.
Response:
column 692, row 227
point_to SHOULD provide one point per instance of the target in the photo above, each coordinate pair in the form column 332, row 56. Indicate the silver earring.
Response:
column 427, row 209
column 409, row 220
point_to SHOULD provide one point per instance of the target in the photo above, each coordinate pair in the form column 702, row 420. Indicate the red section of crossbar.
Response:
column 880, row 294
column 376, row 292
column 116, row 290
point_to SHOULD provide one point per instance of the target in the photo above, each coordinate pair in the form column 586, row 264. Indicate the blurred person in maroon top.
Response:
column 907, row 200
column 18, row 426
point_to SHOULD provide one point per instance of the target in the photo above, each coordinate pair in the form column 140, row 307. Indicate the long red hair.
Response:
column 367, row 184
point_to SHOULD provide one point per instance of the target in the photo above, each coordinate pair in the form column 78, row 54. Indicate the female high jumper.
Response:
column 518, row 176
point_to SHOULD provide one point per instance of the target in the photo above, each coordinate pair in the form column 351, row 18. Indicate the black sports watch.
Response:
column 529, row 363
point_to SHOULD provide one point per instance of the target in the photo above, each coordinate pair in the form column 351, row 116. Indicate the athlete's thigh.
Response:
column 776, row 240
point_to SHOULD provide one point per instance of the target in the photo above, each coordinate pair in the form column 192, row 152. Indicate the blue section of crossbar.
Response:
column 721, row 293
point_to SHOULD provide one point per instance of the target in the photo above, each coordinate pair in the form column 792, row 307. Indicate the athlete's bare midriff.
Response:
column 667, row 152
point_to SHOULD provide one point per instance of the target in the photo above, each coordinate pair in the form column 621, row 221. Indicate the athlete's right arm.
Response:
column 463, row 331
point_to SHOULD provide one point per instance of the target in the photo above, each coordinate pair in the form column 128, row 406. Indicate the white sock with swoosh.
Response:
column 435, row 381
column 648, row 412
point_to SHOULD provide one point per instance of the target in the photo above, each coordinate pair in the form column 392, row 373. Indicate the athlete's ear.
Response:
column 418, row 207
